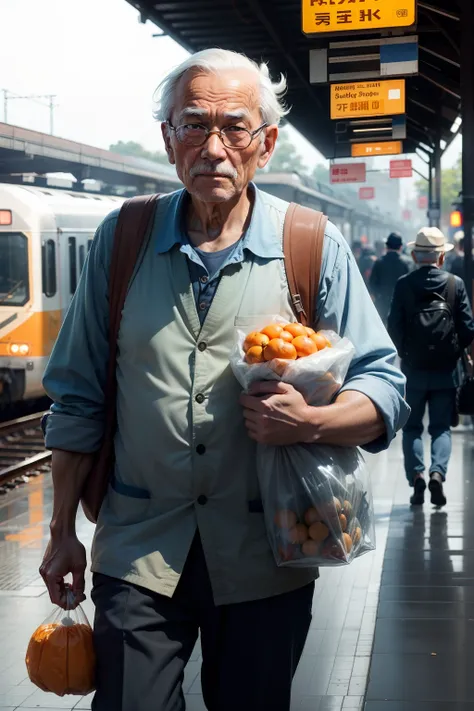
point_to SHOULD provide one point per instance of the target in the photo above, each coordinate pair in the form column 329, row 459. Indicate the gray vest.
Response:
column 187, row 461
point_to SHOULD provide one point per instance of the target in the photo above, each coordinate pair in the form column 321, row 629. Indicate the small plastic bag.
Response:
column 318, row 377
column 60, row 657
column 317, row 502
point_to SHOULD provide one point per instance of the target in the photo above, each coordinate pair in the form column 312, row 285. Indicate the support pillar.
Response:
column 437, row 185
column 430, row 191
column 467, row 113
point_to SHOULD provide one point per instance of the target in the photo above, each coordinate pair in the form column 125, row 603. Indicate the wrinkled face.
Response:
column 214, row 172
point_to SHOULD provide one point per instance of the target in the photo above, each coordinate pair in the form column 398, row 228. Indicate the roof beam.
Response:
column 438, row 11
column 438, row 55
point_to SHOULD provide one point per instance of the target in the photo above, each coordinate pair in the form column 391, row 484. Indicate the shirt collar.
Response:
column 260, row 238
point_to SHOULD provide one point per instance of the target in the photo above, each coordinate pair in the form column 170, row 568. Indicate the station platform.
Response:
column 390, row 632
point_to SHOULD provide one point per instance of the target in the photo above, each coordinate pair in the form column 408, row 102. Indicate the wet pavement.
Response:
column 395, row 627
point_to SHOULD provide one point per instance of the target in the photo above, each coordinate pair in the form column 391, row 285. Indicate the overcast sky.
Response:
column 102, row 64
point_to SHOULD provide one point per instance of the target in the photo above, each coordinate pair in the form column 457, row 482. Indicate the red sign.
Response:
column 406, row 215
column 401, row 169
column 423, row 202
column 366, row 193
column 348, row 173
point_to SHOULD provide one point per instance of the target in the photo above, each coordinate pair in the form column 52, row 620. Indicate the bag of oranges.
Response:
column 317, row 498
column 60, row 657
column 318, row 504
column 315, row 363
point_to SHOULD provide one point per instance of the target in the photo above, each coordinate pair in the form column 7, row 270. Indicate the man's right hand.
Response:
column 64, row 555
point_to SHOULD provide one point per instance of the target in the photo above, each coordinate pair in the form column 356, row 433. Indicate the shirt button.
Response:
column 202, row 500
column 203, row 305
column 204, row 279
column 200, row 449
column 202, row 346
column 200, row 398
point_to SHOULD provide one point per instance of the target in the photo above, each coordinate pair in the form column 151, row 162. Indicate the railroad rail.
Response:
column 22, row 452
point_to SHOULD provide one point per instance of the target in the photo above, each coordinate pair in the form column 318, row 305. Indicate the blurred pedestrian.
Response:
column 385, row 273
column 430, row 322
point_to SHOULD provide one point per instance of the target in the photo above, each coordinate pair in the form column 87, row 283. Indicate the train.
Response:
column 45, row 234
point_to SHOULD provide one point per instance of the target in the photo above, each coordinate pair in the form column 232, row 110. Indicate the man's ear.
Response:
column 267, row 146
column 165, row 132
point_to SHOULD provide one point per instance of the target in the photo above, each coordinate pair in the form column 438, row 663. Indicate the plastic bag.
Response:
column 317, row 501
column 318, row 377
column 60, row 657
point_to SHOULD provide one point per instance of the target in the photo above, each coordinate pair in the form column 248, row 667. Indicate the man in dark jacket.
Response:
column 385, row 274
column 419, row 297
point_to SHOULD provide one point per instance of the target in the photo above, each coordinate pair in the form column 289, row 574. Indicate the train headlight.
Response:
column 19, row 349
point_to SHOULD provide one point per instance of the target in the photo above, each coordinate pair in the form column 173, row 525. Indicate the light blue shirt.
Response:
column 75, row 376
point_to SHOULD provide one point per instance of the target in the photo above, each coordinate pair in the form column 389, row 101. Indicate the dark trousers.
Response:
column 144, row 640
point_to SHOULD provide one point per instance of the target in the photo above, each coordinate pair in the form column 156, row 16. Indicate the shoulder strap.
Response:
column 134, row 220
column 451, row 291
column 303, row 238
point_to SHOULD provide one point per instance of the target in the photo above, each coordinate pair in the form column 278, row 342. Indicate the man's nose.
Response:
column 214, row 148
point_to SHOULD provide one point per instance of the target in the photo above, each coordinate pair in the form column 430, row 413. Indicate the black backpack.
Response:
column 431, row 341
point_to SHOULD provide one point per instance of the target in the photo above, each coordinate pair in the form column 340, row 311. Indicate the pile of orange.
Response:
column 288, row 342
column 328, row 531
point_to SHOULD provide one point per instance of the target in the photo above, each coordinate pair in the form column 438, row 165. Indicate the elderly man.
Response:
column 430, row 322
column 180, row 545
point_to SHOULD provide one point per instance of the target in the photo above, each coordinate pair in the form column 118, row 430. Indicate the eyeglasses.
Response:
column 195, row 135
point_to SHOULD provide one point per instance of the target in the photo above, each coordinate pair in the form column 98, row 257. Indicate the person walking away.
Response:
column 456, row 255
column 430, row 322
column 385, row 274
column 181, row 546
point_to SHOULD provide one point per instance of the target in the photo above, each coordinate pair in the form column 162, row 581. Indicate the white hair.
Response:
column 424, row 257
column 272, row 107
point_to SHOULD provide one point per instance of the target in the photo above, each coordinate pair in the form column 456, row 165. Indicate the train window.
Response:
column 14, row 287
column 82, row 257
column 72, row 265
column 48, row 267
column 89, row 244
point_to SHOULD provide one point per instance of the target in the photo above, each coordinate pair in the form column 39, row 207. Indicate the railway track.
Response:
column 22, row 452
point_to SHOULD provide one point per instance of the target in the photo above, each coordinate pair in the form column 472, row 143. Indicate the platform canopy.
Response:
column 271, row 30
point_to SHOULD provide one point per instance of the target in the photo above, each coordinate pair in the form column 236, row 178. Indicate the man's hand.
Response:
column 63, row 555
column 275, row 413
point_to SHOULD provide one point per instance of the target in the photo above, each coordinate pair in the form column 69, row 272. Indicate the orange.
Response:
column 255, row 355
column 287, row 552
column 278, row 348
column 347, row 541
column 298, row 534
column 273, row 330
column 320, row 341
column 285, row 519
column 309, row 331
column 343, row 521
column 311, row 516
column 296, row 329
column 255, row 338
column 310, row 548
column 286, row 336
column 304, row 346
column 318, row 532
column 347, row 508
column 356, row 535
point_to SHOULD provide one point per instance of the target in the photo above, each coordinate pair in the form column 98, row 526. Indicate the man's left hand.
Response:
column 275, row 413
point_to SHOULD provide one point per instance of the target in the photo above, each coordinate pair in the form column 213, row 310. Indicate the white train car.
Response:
column 45, row 235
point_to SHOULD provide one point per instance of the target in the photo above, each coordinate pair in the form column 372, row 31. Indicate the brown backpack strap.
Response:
column 133, row 225
column 303, row 239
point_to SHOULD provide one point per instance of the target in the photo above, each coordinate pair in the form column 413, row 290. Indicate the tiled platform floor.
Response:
column 426, row 604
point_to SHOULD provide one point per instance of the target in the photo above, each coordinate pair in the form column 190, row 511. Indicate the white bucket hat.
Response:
column 431, row 239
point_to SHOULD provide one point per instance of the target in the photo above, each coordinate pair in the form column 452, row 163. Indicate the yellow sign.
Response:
column 384, row 148
column 368, row 98
column 321, row 16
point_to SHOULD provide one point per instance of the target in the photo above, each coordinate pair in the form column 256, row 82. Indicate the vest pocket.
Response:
column 127, row 505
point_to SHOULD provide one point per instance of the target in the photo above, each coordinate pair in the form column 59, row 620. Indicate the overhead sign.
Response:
column 366, row 193
column 406, row 215
column 401, row 169
column 328, row 16
column 383, row 148
column 423, row 202
column 369, row 98
column 348, row 173
column 356, row 60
